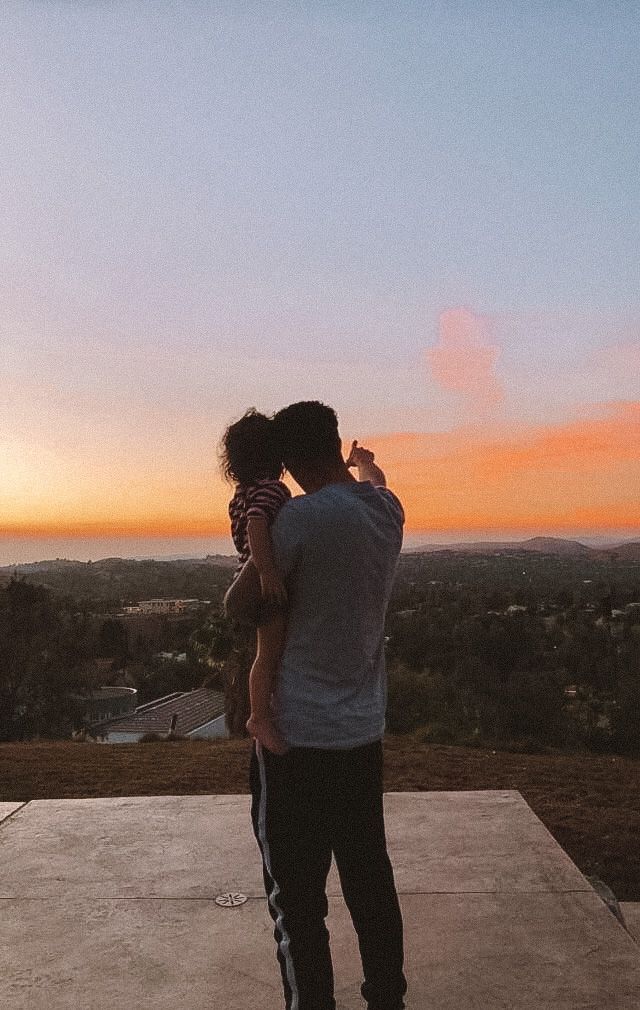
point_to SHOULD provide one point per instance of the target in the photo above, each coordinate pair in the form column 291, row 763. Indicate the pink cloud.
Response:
column 463, row 360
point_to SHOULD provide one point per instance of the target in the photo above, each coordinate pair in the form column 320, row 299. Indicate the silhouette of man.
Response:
column 337, row 547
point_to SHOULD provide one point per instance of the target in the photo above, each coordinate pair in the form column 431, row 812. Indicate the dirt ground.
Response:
column 590, row 803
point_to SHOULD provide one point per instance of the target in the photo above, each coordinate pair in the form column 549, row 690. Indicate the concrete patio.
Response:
column 110, row 903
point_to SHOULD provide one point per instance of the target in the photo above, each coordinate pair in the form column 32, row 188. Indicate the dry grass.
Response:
column 590, row 803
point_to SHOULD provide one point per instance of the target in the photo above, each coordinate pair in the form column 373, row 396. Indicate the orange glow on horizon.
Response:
column 583, row 474
column 160, row 528
column 577, row 475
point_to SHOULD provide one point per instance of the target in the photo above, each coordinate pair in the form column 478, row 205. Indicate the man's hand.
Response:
column 272, row 586
column 367, row 470
column 359, row 456
column 264, row 731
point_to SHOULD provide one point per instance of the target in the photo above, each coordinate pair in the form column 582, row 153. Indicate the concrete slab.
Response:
column 631, row 914
column 157, row 846
column 109, row 904
column 516, row 952
column 143, row 954
column 198, row 846
column 463, row 952
column 484, row 840
column 6, row 809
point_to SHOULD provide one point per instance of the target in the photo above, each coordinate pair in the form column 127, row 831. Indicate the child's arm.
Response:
column 273, row 588
column 367, row 469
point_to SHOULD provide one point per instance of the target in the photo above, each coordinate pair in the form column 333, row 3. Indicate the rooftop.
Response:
column 193, row 708
column 110, row 903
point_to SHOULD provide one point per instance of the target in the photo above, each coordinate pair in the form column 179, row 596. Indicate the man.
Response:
column 337, row 547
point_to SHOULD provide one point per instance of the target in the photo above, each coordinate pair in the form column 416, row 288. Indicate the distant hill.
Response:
column 112, row 564
column 32, row 567
column 115, row 582
column 223, row 560
column 624, row 552
column 555, row 545
column 628, row 551
column 174, row 569
column 539, row 545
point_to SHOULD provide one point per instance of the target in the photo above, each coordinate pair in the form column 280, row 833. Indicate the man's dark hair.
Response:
column 307, row 433
column 249, row 450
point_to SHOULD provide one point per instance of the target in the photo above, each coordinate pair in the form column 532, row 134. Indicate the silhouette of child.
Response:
column 250, row 459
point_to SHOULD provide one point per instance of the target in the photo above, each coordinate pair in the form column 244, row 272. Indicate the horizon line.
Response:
column 561, row 528
column 406, row 548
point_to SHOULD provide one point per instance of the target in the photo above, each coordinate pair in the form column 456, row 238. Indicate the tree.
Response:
column 113, row 642
column 43, row 649
column 211, row 643
column 626, row 711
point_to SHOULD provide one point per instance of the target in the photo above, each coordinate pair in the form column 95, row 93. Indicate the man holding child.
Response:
column 316, row 771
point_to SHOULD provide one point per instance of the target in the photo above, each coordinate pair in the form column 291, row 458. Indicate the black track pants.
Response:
column 307, row 804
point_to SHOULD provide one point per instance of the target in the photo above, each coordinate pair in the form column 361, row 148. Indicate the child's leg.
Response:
column 261, row 682
column 243, row 597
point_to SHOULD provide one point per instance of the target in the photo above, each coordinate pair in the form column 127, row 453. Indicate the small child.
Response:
column 257, row 594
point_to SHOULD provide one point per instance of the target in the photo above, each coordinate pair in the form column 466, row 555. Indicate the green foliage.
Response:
column 161, row 677
column 43, row 649
column 419, row 699
column 529, row 653
column 52, row 648
column 104, row 586
column 408, row 700
column 529, row 706
column 212, row 641
column 626, row 717
column 626, row 713
column 113, row 642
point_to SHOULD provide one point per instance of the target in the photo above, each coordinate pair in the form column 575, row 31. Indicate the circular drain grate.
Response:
column 231, row 899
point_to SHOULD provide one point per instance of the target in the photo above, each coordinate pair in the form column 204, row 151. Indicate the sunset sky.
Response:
column 426, row 215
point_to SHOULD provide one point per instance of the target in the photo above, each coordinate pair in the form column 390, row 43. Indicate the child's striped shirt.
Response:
column 263, row 499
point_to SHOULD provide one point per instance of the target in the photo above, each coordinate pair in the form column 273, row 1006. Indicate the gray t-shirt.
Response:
column 337, row 549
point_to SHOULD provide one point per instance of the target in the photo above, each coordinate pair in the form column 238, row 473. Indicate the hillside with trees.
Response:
column 516, row 648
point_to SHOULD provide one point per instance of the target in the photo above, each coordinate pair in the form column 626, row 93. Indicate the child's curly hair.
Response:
column 249, row 450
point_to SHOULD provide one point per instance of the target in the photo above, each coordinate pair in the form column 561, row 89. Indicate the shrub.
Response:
column 426, row 701
column 626, row 717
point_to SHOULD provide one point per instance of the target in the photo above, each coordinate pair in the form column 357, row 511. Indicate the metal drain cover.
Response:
column 231, row 899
